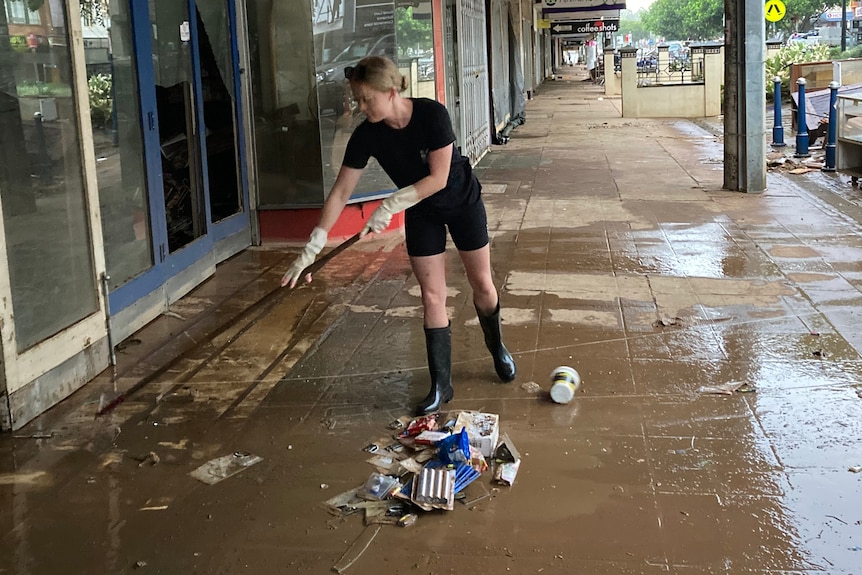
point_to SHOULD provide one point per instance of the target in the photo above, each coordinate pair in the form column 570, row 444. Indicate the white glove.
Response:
column 315, row 244
column 397, row 202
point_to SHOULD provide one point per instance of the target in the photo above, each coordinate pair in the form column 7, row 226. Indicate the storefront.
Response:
column 123, row 177
column 145, row 141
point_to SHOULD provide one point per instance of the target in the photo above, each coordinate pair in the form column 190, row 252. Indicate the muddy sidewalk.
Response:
column 717, row 428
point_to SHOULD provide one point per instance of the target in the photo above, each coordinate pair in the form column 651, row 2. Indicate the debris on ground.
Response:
column 727, row 388
column 483, row 429
column 151, row 459
column 531, row 387
column 221, row 468
column 328, row 423
column 506, row 472
column 667, row 322
column 855, row 469
column 427, row 464
column 174, row 315
column 357, row 549
column 38, row 435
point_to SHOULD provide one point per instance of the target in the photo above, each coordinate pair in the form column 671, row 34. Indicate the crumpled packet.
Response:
column 455, row 449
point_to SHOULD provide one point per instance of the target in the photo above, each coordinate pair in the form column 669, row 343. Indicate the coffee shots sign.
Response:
column 584, row 27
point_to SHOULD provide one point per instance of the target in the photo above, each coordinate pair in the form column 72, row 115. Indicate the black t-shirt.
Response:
column 403, row 154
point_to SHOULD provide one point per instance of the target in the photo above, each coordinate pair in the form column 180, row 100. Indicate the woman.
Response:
column 413, row 141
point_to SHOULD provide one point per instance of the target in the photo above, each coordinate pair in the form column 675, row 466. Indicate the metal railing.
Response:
column 672, row 72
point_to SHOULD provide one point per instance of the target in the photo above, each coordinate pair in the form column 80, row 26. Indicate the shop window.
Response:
column 284, row 104
column 304, row 112
column 118, row 144
column 45, row 214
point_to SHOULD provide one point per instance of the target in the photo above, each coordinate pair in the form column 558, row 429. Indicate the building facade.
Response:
column 143, row 142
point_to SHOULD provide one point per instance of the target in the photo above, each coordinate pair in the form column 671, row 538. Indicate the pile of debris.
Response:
column 427, row 463
column 787, row 162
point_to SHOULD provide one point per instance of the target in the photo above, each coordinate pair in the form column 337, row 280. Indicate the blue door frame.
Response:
column 167, row 264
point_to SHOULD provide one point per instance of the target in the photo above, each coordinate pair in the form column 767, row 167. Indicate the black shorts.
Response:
column 426, row 229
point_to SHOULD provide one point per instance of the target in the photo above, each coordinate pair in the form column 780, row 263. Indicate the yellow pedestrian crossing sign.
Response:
column 775, row 10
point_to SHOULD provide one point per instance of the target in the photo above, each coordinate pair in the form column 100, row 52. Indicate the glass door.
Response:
column 180, row 144
column 220, row 91
column 176, row 112
column 197, row 88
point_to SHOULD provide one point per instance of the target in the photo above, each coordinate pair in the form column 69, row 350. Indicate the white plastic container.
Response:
column 565, row 384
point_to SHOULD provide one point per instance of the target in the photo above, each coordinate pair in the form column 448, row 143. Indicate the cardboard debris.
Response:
column 343, row 503
column 384, row 512
column 434, row 488
column 414, row 471
column 384, row 464
column 505, row 472
column 506, row 451
column 409, row 465
column 483, row 429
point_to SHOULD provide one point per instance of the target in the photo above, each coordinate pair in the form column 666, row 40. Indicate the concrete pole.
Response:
column 744, row 96
column 629, row 81
column 662, row 64
column 612, row 81
column 713, row 77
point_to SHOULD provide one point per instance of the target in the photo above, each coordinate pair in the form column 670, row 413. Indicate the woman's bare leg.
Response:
column 430, row 272
column 477, row 265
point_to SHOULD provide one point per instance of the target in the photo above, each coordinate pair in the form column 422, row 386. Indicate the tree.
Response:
column 94, row 11
column 633, row 25
column 411, row 32
column 686, row 19
column 704, row 19
column 801, row 15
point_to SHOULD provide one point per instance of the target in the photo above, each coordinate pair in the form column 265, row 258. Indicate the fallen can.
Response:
column 565, row 383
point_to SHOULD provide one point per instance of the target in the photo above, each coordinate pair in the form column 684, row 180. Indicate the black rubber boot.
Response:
column 503, row 361
column 438, row 343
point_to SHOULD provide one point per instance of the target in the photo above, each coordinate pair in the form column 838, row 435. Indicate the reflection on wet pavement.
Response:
column 617, row 253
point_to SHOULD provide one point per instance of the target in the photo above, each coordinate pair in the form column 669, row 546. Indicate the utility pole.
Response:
column 744, row 96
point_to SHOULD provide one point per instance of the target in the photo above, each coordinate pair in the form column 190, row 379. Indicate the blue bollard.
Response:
column 832, row 134
column 801, row 125
column 777, row 128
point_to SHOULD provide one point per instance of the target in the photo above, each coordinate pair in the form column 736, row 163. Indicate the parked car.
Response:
column 808, row 38
column 648, row 62
column 333, row 70
column 332, row 85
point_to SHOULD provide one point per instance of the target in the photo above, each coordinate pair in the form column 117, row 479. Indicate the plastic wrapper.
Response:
column 455, row 449
column 420, row 424
column 378, row 486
